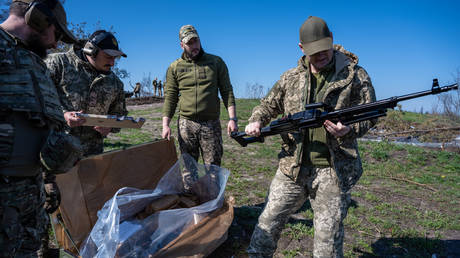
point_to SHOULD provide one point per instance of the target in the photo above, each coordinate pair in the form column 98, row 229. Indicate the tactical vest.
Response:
column 25, row 85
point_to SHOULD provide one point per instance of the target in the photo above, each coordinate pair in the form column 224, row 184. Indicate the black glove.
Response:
column 53, row 196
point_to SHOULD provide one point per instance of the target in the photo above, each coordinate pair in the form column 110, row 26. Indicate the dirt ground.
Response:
column 143, row 100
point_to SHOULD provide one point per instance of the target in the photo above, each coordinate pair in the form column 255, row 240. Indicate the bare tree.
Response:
column 254, row 91
column 449, row 103
column 121, row 73
column 146, row 85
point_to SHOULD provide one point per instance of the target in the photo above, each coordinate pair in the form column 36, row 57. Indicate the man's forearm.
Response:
column 231, row 112
column 166, row 121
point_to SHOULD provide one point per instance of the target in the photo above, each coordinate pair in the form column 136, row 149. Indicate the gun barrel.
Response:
column 386, row 103
column 435, row 90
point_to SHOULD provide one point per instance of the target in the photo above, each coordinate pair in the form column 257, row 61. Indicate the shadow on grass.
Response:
column 412, row 247
column 239, row 233
column 244, row 221
column 117, row 145
column 246, row 216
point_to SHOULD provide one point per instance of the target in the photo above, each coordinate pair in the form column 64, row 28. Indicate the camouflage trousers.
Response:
column 199, row 137
column 22, row 216
column 159, row 89
column 329, row 203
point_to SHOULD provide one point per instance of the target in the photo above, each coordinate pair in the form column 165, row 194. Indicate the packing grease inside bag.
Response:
column 138, row 223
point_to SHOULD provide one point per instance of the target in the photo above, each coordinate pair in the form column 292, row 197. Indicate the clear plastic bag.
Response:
column 118, row 233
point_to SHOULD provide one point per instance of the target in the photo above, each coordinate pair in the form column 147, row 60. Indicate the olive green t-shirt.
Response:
column 316, row 152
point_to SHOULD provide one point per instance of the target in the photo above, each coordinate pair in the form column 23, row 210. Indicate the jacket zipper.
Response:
column 303, row 132
column 196, row 93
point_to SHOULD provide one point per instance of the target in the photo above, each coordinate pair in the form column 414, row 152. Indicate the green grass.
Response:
column 299, row 230
column 291, row 253
column 414, row 117
column 140, row 113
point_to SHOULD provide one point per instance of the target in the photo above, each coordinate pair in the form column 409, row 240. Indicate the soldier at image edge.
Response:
column 137, row 90
column 199, row 126
column 322, row 164
column 155, row 86
column 85, row 83
column 160, row 89
column 32, row 141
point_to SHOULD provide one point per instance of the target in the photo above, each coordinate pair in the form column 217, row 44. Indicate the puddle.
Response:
column 414, row 141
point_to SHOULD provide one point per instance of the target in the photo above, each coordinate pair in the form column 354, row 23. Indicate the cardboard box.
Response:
column 94, row 180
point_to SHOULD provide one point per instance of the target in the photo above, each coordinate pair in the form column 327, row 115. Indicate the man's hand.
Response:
column 104, row 131
column 72, row 119
column 253, row 129
column 231, row 127
column 166, row 133
column 53, row 195
column 338, row 130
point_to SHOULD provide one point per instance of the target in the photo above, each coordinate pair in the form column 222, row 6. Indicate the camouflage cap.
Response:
column 315, row 36
column 58, row 15
column 187, row 32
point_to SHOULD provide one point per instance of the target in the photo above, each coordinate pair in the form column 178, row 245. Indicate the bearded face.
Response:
column 192, row 48
column 36, row 45
column 40, row 42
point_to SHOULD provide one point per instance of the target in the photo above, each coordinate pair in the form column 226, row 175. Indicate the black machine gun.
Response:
column 312, row 117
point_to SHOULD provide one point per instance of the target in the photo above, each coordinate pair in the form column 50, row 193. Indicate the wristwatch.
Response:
column 234, row 119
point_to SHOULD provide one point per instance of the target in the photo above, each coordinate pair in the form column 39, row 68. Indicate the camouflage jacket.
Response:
column 81, row 87
column 350, row 86
column 25, row 85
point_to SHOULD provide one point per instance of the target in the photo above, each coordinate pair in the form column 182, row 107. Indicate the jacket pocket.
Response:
column 288, row 162
column 347, row 149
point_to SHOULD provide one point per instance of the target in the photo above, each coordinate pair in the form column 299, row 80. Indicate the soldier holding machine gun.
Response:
column 319, row 159
column 321, row 164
